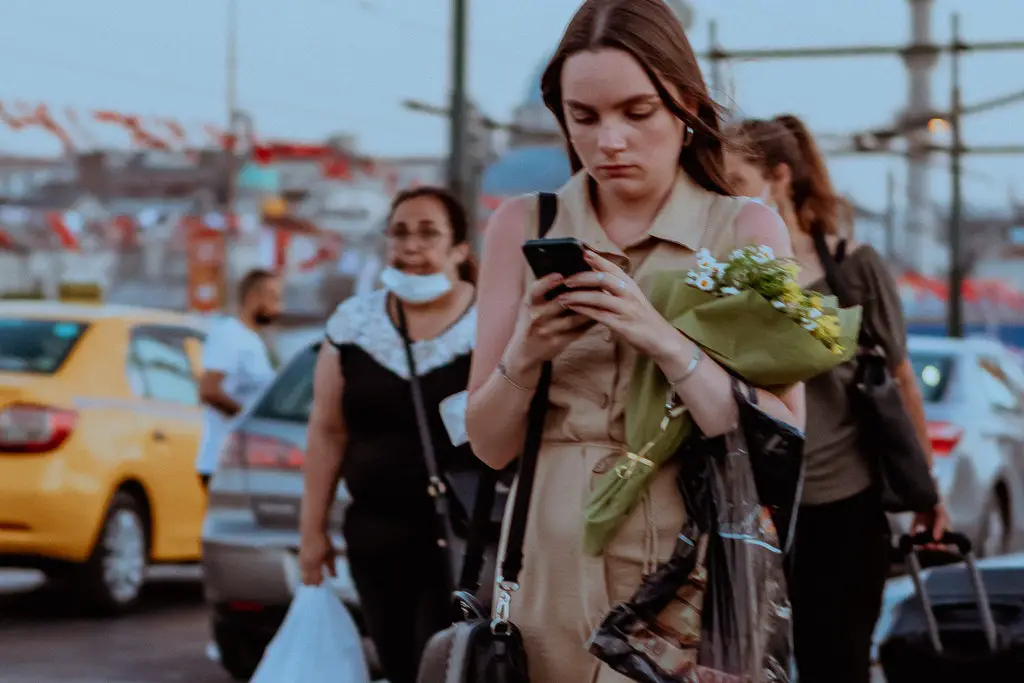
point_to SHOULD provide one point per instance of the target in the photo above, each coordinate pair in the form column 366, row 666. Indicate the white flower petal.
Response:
column 730, row 291
column 814, row 314
column 706, row 283
column 779, row 305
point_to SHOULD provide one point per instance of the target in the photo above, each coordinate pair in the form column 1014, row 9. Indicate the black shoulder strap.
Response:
column 831, row 266
column 513, row 562
column 546, row 213
column 437, row 487
column 476, row 544
column 836, row 283
column 841, row 251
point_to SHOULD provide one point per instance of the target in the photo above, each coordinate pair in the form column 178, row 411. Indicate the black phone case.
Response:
column 563, row 255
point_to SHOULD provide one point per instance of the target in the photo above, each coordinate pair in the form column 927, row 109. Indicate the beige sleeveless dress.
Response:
column 564, row 593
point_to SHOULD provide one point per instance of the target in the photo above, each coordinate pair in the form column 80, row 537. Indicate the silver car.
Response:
column 973, row 393
column 250, row 534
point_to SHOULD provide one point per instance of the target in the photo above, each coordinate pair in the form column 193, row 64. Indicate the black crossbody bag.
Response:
column 886, row 432
column 478, row 648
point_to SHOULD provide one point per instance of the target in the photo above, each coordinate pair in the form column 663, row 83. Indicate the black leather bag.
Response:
column 887, row 434
column 477, row 648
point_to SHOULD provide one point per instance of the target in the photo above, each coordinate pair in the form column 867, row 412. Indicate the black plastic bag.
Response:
column 717, row 610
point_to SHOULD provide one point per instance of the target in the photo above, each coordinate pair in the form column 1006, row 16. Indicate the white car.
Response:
column 973, row 392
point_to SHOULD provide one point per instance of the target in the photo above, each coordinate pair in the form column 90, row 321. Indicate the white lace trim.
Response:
column 363, row 320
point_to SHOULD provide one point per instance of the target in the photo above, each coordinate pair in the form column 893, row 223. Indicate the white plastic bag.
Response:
column 317, row 643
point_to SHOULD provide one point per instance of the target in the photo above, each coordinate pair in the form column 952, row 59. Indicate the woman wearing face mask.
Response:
column 363, row 426
column 649, row 191
column 842, row 545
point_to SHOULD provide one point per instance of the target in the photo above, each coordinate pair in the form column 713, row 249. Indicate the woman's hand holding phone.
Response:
column 542, row 331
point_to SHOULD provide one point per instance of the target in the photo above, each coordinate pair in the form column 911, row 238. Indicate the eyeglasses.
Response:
column 426, row 236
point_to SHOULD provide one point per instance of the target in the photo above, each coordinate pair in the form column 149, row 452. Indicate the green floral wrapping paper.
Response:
column 762, row 328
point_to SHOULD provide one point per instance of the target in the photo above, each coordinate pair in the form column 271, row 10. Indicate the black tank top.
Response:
column 383, row 466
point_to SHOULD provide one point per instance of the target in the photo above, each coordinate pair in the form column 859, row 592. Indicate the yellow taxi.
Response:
column 100, row 421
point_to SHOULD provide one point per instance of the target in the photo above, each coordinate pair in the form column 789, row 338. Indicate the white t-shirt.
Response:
column 239, row 353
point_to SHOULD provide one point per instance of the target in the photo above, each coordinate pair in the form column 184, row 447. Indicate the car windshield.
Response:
column 290, row 397
column 933, row 371
column 37, row 346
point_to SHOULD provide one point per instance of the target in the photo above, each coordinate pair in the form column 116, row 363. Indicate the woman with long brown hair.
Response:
column 363, row 427
column 649, row 191
column 841, row 552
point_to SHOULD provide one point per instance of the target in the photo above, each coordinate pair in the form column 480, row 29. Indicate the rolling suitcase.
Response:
column 963, row 624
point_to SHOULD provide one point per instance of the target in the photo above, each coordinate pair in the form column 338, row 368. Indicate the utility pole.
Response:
column 458, row 158
column 890, row 215
column 717, row 84
column 231, row 102
column 920, row 62
column 955, row 313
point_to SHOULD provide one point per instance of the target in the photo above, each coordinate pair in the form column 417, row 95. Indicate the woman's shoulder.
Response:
column 756, row 223
column 867, row 266
column 508, row 222
column 354, row 314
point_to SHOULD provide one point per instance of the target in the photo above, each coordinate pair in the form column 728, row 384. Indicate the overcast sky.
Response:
column 308, row 68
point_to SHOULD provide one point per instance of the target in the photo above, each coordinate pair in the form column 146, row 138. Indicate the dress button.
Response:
column 608, row 336
column 605, row 401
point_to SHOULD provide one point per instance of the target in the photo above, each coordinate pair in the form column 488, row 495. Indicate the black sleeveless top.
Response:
column 383, row 467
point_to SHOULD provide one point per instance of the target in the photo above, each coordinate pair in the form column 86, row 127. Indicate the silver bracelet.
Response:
column 691, row 368
column 503, row 371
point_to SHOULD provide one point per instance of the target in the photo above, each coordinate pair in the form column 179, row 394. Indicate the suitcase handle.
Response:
column 908, row 546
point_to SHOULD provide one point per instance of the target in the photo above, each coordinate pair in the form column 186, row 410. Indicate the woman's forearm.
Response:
column 707, row 390
column 496, row 414
column 321, row 473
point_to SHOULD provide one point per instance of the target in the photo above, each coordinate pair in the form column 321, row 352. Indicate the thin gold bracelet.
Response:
column 503, row 371
column 691, row 368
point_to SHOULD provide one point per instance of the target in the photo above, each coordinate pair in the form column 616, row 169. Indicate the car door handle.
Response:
column 159, row 435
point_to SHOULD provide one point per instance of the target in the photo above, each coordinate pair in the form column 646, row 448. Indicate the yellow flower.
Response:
column 790, row 300
column 792, row 289
column 814, row 301
column 829, row 325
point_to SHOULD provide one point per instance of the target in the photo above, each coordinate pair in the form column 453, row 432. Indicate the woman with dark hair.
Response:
column 363, row 426
column 842, row 546
column 649, row 191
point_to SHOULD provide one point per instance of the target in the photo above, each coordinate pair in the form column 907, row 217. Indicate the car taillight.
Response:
column 944, row 437
column 252, row 451
column 31, row 428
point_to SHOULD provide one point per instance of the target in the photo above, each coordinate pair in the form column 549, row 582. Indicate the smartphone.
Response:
column 562, row 255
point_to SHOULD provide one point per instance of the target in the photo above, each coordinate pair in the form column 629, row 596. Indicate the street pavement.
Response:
column 43, row 639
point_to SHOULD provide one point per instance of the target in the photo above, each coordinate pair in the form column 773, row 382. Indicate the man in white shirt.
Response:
column 236, row 364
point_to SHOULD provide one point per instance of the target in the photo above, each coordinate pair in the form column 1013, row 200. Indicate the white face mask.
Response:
column 415, row 289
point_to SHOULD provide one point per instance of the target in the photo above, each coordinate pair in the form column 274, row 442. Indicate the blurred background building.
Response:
column 134, row 221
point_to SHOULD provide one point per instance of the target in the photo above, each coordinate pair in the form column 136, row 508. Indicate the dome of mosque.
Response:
column 527, row 169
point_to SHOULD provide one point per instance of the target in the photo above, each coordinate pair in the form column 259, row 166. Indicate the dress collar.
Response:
column 682, row 220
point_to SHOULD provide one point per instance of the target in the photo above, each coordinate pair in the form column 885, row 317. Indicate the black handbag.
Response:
column 477, row 648
column 886, row 432
column 776, row 452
